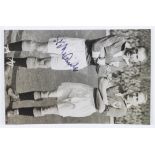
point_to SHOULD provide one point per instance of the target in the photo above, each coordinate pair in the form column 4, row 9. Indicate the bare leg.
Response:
column 49, row 94
column 45, row 63
column 32, row 62
column 49, row 110
column 45, row 94
column 34, row 46
column 37, row 112
column 58, row 93
column 42, row 47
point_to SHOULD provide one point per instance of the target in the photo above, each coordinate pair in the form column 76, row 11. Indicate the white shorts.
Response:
column 75, row 51
column 76, row 100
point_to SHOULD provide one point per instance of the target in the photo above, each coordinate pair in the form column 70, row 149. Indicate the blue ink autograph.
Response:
column 61, row 44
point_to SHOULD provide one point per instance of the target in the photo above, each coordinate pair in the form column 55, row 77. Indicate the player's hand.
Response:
column 105, row 82
column 101, row 61
column 102, row 53
column 127, row 58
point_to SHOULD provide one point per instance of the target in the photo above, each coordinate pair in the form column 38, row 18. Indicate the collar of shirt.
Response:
column 121, row 53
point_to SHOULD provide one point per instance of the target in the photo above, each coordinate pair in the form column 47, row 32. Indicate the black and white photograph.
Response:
column 98, row 76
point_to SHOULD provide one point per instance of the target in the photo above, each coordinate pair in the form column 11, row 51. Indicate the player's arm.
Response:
column 107, row 41
column 100, row 102
column 102, row 94
column 114, row 112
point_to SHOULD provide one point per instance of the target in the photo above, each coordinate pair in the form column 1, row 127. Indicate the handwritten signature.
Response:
column 62, row 45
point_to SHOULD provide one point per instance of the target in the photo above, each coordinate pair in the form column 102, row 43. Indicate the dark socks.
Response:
column 19, row 62
column 17, row 46
column 26, row 96
column 26, row 111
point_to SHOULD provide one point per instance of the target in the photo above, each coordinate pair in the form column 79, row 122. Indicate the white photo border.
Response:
column 2, row 81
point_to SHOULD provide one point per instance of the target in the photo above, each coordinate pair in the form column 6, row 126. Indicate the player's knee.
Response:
column 43, row 64
column 32, row 63
column 37, row 95
column 47, row 63
column 29, row 46
column 45, row 94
